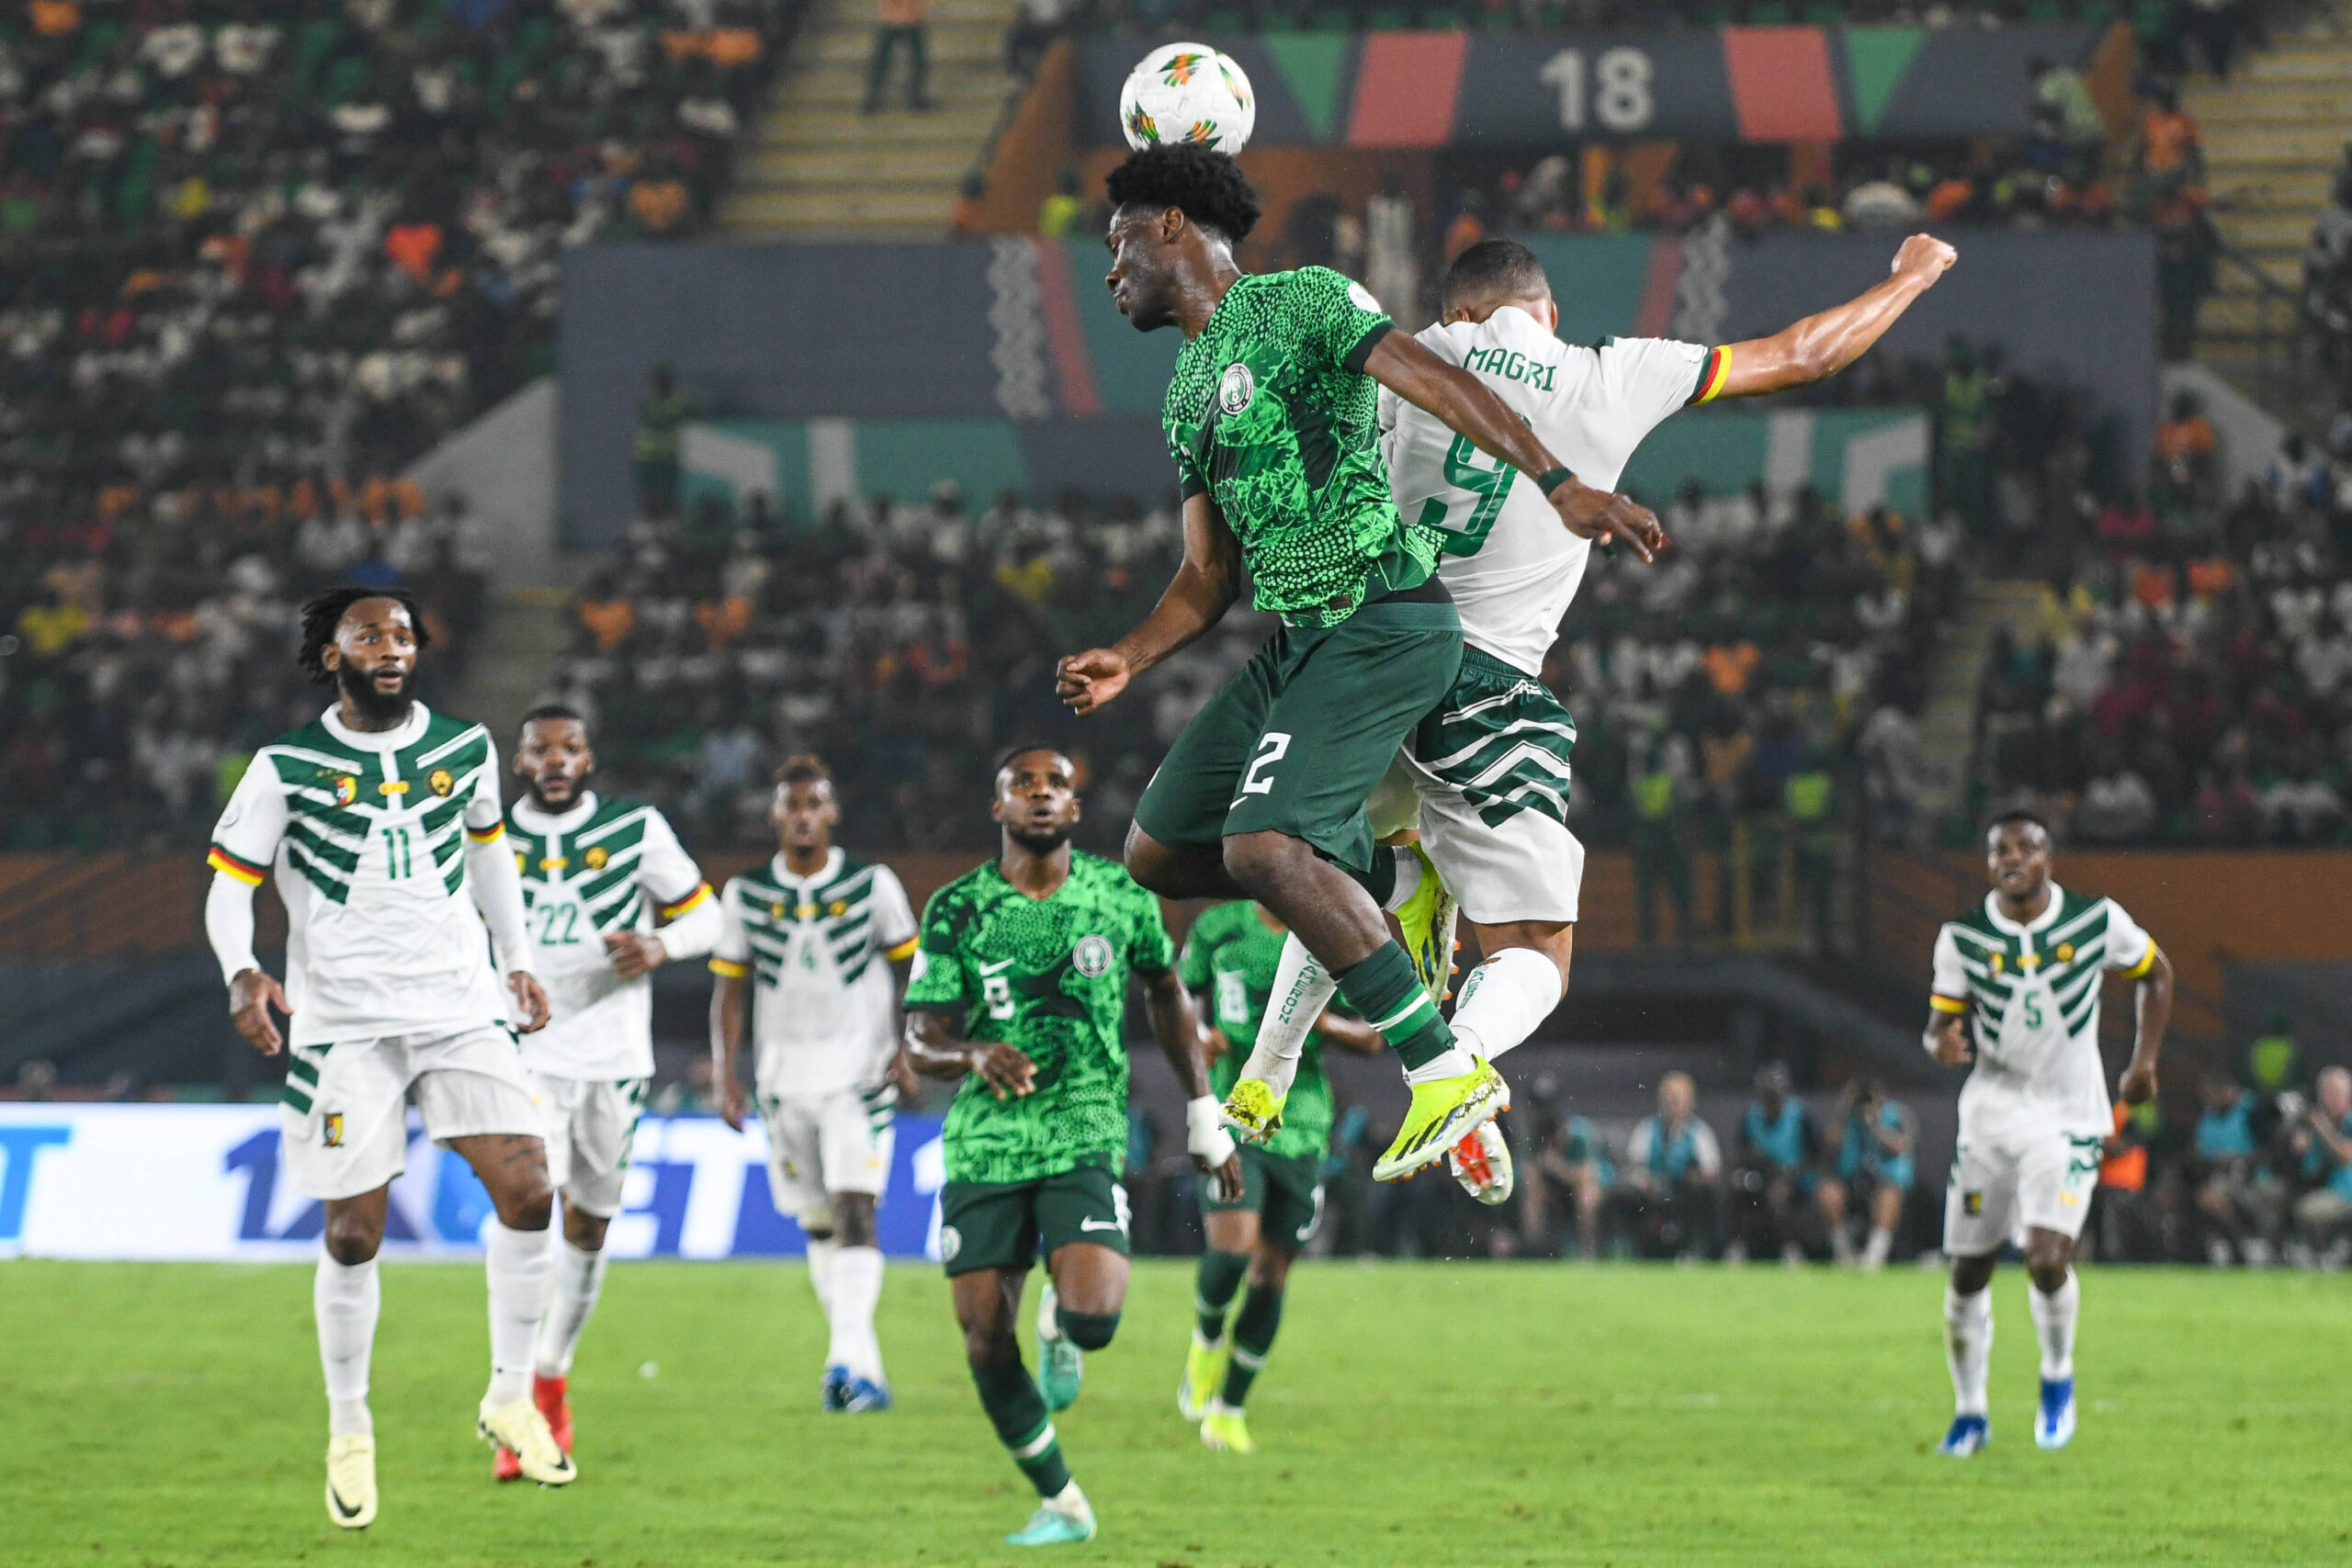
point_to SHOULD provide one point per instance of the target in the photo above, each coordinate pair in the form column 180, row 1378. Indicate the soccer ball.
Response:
column 1188, row 92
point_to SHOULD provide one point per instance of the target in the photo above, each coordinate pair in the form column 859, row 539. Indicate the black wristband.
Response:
column 1551, row 479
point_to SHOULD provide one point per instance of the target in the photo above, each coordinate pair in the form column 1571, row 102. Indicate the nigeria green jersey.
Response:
column 1230, row 954
column 1271, row 413
column 1048, row 977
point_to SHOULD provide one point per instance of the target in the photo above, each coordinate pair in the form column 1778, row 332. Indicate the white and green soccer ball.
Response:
column 1188, row 92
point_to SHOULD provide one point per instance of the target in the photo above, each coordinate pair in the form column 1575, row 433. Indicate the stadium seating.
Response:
column 250, row 269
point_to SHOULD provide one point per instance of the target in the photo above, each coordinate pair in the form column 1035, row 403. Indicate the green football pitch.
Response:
column 1457, row 1413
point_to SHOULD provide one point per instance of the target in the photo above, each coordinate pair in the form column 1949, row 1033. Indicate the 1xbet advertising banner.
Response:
column 204, row 1181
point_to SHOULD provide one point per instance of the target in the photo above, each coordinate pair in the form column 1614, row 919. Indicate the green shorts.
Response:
column 1296, row 742
column 1285, row 1192
column 1001, row 1225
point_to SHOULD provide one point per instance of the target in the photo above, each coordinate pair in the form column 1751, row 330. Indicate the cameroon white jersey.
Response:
column 2031, row 994
column 603, row 866
column 818, row 951
column 1509, row 563
column 363, row 833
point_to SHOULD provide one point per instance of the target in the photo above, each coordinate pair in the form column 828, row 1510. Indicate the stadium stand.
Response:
column 255, row 264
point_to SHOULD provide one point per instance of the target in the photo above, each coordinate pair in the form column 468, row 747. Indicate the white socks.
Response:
column 1303, row 988
column 2053, row 1325
column 1506, row 999
column 579, row 1278
column 822, row 1250
column 521, row 1270
column 1450, row 1063
column 1875, row 1250
column 1968, row 1348
column 855, row 1285
column 347, row 1301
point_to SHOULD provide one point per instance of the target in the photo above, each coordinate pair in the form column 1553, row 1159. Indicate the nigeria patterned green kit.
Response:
column 1270, row 415
column 1232, row 955
column 1048, row 977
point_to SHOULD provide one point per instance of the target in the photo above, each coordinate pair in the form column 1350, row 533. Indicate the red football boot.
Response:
column 548, row 1394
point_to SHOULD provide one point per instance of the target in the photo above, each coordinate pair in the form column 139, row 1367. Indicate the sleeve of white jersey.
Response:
column 1948, row 983
column 245, row 840
column 894, row 917
column 485, row 812
column 675, row 887
column 2130, row 949
column 1644, row 379
column 731, row 956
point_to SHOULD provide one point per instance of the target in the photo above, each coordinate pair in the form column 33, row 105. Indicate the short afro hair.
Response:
column 554, row 713
column 1206, row 185
column 1493, row 269
column 806, row 767
column 324, row 613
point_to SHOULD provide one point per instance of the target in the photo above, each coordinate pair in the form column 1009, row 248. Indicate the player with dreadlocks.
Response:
column 382, row 827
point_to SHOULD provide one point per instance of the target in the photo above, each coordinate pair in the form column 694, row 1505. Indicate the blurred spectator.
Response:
column 1060, row 210
column 1777, row 1171
column 1873, row 1173
column 2121, row 1227
column 1572, row 1167
column 2323, row 1145
column 1672, row 1176
column 2242, row 1200
column 1036, row 24
column 964, row 217
column 2273, row 1062
column 899, row 22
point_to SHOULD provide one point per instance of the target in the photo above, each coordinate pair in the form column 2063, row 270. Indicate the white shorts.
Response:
column 1526, row 868
column 822, row 1144
column 343, row 1117
column 591, row 1124
column 2014, row 1177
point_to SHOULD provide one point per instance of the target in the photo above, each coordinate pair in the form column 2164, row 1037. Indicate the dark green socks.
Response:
column 1384, row 991
column 1253, row 1336
column 1018, row 1411
column 1219, row 1277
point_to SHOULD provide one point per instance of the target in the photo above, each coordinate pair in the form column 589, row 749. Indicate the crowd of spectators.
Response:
column 253, row 261
column 2261, row 1173
column 904, row 642
column 2191, row 679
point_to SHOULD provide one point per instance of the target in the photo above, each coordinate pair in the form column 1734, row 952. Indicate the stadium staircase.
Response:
column 1948, row 726
column 824, row 170
column 2274, row 134
column 522, row 638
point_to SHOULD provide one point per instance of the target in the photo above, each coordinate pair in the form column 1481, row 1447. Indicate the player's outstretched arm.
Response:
column 1819, row 346
column 936, row 1054
column 2152, row 1000
column 253, row 992
column 1178, row 1029
column 1204, row 587
column 1470, row 409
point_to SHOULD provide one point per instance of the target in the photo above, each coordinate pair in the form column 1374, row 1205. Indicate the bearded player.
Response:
column 1020, row 990
column 1485, row 775
column 595, row 870
column 1271, row 420
column 380, row 824
column 2019, row 979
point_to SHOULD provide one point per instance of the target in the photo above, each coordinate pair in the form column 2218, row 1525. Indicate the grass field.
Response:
column 1455, row 1414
